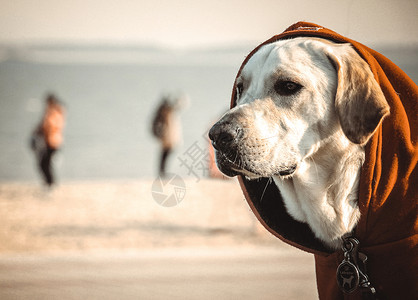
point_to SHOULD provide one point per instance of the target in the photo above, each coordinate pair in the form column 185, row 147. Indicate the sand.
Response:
column 112, row 240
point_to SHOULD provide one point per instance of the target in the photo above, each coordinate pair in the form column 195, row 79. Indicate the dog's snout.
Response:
column 224, row 136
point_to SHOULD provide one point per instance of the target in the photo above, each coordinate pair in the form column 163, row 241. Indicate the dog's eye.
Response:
column 286, row 87
column 240, row 88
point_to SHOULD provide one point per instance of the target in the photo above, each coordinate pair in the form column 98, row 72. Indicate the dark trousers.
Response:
column 164, row 154
column 46, row 166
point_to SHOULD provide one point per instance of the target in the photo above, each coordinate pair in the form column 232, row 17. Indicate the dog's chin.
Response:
column 231, row 169
column 228, row 170
column 227, row 166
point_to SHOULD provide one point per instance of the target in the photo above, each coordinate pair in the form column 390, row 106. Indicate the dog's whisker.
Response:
column 316, row 168
column 269, row 181
column 270, row 137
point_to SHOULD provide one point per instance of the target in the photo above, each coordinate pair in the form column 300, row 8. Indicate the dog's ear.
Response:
column 359, row 100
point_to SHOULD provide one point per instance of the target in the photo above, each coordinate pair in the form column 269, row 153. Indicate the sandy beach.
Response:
column 112, row 240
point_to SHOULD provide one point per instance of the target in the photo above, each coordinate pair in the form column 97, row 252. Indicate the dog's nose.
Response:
column 224, row 136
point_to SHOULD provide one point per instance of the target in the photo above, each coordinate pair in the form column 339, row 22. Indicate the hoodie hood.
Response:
column 388, row 190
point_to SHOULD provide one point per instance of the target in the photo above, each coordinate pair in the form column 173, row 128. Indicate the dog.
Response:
column 305, row 108
column 322, row 135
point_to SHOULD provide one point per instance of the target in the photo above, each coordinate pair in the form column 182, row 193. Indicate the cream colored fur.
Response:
column 321, row 130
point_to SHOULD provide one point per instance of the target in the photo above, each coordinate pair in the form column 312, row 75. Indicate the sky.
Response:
column 195, row 23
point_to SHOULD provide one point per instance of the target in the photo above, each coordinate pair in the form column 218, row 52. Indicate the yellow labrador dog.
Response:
column 305, row 109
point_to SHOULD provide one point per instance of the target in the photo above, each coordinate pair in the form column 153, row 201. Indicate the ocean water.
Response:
column 110, row 97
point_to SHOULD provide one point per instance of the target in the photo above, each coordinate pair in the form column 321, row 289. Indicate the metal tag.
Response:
column 348, row 277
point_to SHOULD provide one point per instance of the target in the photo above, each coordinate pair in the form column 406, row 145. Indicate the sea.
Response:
column 110, row 95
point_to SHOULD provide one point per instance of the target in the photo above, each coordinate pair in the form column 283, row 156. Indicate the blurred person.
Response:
column 166, row 128
column 47, row 137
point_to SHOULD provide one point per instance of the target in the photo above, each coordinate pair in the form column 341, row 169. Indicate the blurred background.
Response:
column 110, row 63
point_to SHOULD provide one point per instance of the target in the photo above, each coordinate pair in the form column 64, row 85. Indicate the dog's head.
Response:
column 291, row 97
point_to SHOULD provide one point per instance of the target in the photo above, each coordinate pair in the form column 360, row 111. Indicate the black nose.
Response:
column 224, row 136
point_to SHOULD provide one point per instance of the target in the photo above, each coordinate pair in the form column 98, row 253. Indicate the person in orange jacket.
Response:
column 48, row 137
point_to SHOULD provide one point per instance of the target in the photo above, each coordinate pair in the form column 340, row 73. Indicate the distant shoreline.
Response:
column 48, row 53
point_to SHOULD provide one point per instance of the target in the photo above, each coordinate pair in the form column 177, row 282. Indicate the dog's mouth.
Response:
column 288, row 171
column 228, row 166
column 233, row 167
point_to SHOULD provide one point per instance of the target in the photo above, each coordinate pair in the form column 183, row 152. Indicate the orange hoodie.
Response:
column 388, row 191
column 52, row 125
